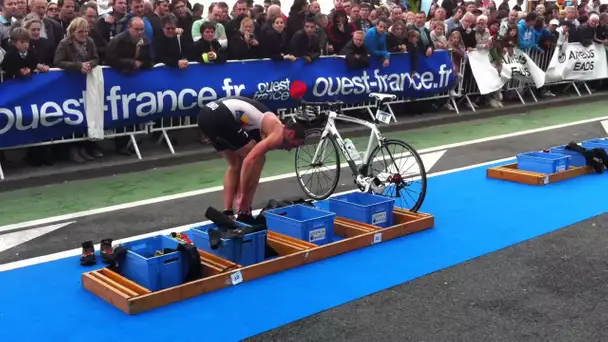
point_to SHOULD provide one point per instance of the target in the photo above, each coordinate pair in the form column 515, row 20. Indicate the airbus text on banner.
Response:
column 518, row 66
column 575, row 62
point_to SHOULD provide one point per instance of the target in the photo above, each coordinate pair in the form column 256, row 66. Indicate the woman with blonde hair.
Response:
column 244, row 44
column 77, row 52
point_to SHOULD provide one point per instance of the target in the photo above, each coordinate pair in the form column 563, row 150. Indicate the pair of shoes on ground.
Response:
column 88, row 258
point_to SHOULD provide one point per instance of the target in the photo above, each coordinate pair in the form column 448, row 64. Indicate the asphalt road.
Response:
column 145, row 219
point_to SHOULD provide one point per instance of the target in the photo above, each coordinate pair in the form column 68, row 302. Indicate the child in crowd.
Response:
column 20, row 59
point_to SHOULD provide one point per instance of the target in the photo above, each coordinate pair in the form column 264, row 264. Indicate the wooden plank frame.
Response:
column 511, row 173
column 132, row 298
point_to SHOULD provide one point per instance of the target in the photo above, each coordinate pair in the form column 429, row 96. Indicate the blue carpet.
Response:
column 474, row 216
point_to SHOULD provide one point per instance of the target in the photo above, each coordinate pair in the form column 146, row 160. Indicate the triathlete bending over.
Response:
column 243, row 131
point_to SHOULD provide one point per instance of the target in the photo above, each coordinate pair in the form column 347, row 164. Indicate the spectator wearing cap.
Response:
column 305, row 43
column 553, row 26
column 130, row 50
column 244, row 44
column 274, row 41
column 297, row 17
column 340, row 32
column 207, row 49
column 375, row 41
column 171, row 50
column 396, row 37
column 233, row 26
column 355, row 52
column 112, row 23
column 527, row 35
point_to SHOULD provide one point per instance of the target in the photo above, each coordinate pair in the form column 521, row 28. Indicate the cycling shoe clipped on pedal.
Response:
column 371, row 185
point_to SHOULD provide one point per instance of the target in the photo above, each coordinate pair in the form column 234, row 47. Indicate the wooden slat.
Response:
column 511, row 173
column 290, row 240
column 123, row 289
column 138, row 289
column 407, row 226
column 213, row 264
column 106, row 292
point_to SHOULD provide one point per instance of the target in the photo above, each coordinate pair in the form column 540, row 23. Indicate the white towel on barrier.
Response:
column 93, row 102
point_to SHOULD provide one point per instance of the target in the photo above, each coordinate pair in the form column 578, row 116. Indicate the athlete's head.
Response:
column 293, row 135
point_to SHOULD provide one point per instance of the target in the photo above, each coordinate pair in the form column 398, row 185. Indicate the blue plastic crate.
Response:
column 153, row 272
column 595, row 143
column 542, row 162
column 577, row 158
column 302, row 222
column 364, row 207
column 246, row 251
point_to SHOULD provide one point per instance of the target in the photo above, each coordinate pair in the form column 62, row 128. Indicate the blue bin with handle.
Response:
column 153, row 272
column 302, row 222
column 542, row 162
column 364, row 207
column 577, row 158
column 595, row 143
column 245, row 251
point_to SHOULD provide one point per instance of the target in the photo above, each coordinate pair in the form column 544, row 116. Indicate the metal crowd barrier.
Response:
column 465, row 91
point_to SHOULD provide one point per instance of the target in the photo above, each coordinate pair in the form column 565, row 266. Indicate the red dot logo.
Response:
column 297, row 90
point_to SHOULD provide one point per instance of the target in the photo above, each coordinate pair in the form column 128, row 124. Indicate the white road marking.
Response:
column 77, row 251
column 11, row 240
column 71, row 216
column 605, row 125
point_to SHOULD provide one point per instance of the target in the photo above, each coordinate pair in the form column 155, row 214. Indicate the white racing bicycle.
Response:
column 389, row 167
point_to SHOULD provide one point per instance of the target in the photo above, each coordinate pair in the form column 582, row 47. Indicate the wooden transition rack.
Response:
column 132, row 298
column 511, row 173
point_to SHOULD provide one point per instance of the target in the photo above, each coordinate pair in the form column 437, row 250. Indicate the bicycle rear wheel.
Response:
column 324, row 169
column 401, row 171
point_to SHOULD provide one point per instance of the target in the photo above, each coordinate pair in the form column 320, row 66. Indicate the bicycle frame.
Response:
column 330, row 130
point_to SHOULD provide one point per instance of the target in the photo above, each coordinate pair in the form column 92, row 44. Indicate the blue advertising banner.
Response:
column 52, row 105
column 163, row 92
column 42, row 107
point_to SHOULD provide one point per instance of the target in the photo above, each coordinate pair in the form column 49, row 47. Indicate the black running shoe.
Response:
column 245, row 218
column 87, row 258
column 106, row 250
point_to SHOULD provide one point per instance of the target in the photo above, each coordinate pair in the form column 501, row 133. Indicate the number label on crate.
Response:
column 236, row 278
column 377, row 238
column 378, row 218
column 316, row 235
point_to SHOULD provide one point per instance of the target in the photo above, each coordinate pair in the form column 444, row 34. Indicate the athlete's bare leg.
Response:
column 246, row 192
column 244, row 199
column 231, row 177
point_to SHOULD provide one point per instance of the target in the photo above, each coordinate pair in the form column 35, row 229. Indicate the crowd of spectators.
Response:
column 135, row 35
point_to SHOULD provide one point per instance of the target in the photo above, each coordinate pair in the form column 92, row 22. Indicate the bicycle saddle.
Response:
column 383, row 97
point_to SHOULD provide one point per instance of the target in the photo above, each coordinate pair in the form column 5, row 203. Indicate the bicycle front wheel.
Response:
column 318, row 165
column 399, row 168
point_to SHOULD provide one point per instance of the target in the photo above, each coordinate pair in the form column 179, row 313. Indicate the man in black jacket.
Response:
column 169, row 48
column 234, row 25
column 357, row 55
column 305, row 42
column 130, row 50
